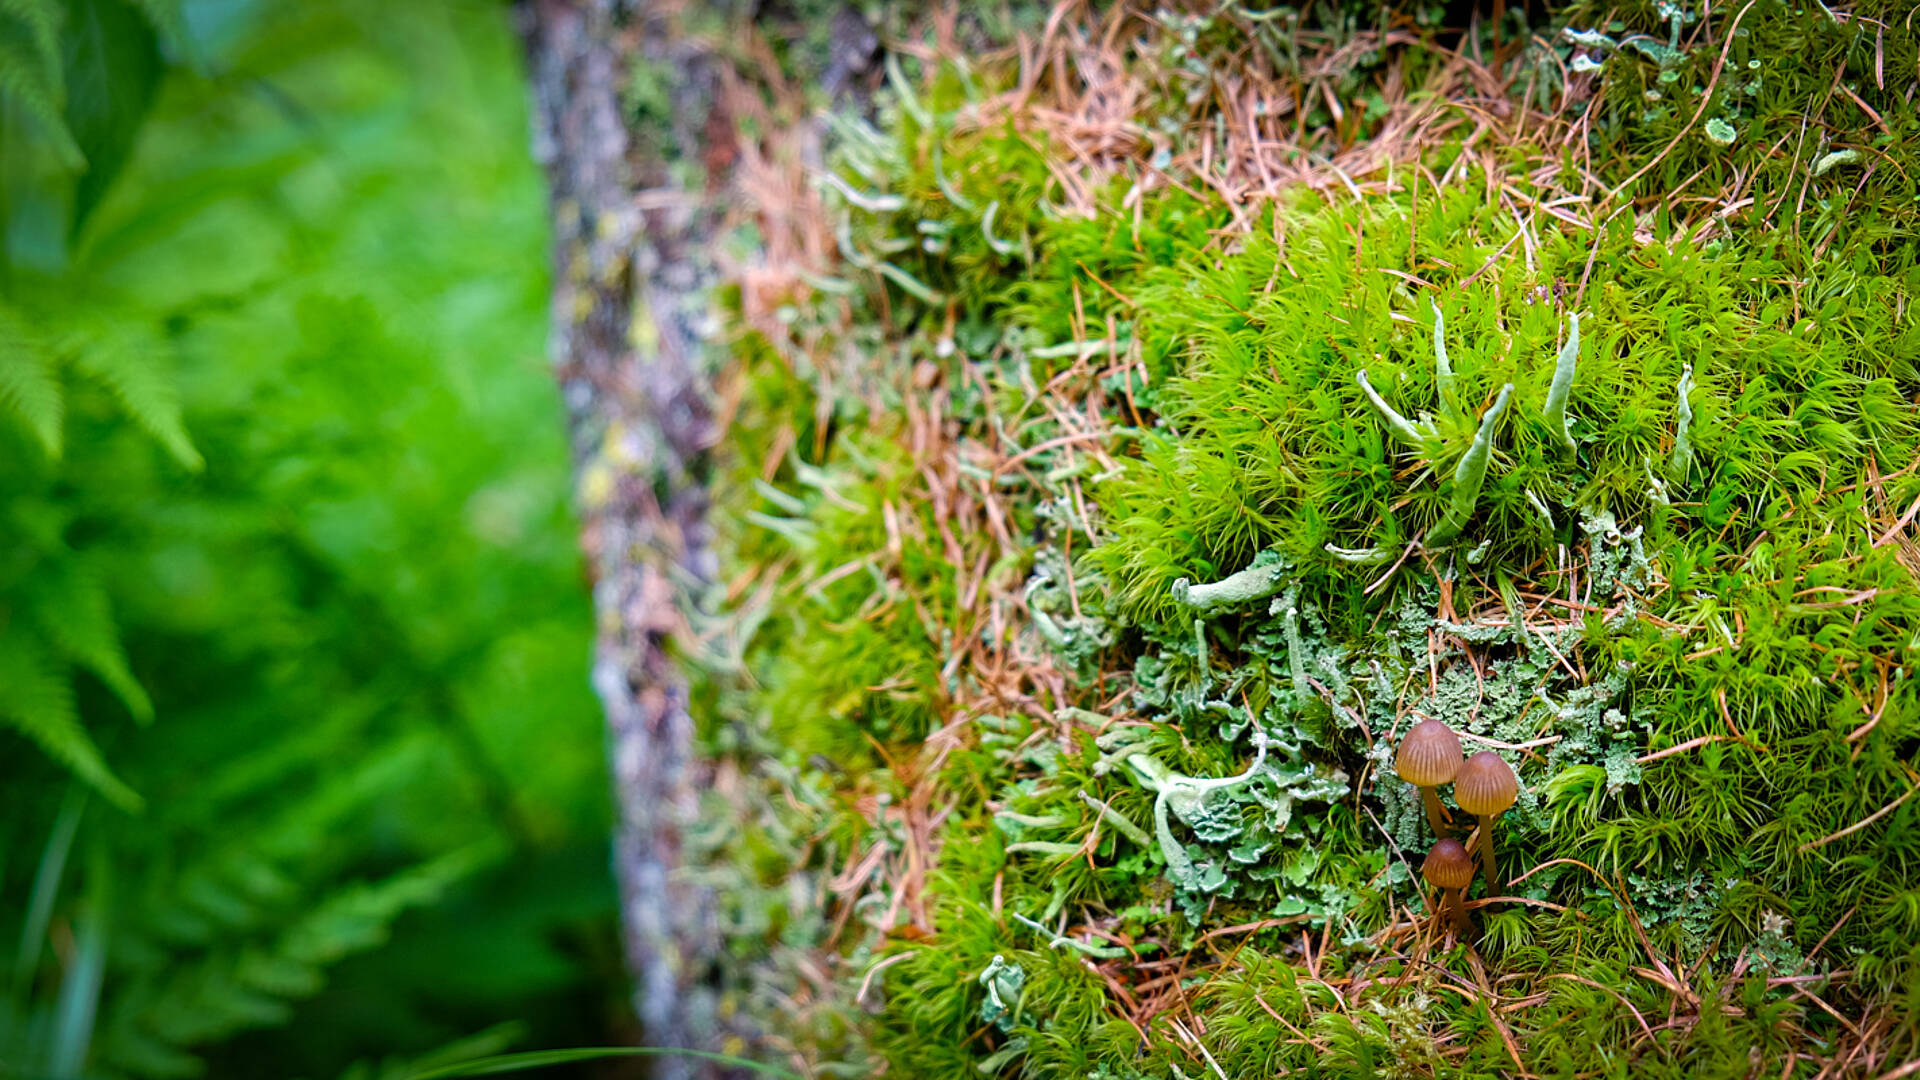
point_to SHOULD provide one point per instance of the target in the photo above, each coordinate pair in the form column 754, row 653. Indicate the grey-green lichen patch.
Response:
column 1617, row 563
column 1075, row 634
column 1216, row 831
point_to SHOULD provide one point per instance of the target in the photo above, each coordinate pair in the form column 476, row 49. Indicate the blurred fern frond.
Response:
column 287, row 592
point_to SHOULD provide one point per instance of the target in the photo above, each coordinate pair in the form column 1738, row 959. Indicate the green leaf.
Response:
column 29, row 385
column 540, row 1059
column 169, row 21
column 46, row 888
column 36, row 697
column 112, row 70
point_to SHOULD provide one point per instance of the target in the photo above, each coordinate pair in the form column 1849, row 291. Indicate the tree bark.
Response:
column 632, row 271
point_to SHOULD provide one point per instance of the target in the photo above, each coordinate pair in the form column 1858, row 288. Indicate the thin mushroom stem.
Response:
column 1487, row 862
column 1455, row 901
column 1436, row 813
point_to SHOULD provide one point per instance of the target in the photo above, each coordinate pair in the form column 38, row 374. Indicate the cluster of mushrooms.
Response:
column 1483, row 785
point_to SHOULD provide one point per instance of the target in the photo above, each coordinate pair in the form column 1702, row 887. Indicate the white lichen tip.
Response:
column 1442, row 366
column 1402, row 428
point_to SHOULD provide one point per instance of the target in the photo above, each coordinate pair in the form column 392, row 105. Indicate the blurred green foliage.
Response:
column 289, row 600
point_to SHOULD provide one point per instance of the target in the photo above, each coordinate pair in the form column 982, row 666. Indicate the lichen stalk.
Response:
column 1682, row 460
column 1471, row 474
column 1402, row 428
column 1563, row 367
column 1253, row 583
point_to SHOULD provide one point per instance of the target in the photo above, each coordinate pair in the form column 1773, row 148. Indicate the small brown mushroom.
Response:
column 1430, row 756
column 1485, row 788
column 1450, row 869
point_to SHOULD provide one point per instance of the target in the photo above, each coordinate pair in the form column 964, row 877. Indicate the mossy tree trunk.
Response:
column 631, row 267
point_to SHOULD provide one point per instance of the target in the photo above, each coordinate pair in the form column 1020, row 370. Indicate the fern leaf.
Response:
column 71, row 606
column 128, row 362
column 227, row 992
column 36, row 697
column 169, row 21
column 30, row 73
column 29, row 384
column 132, row 1051
column 358, row 917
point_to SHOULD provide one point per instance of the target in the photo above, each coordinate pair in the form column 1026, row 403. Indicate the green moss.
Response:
column 1616, row 518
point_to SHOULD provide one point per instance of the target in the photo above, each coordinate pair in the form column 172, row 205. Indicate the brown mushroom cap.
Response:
column 1448, row 865
column 1429, row 755
column 1486, row 785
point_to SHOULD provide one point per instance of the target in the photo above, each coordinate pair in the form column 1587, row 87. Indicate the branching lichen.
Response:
column 1187, row 797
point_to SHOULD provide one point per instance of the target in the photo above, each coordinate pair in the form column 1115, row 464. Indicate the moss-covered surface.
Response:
column 1075, row 595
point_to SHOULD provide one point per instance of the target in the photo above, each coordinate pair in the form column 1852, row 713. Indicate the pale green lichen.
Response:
column 1118, row 820
column 1686, row 903
column 1265, row 577
column 1237, row 823
column 1471, row 473
column 1563, row 368
column 1057, row 941
column 1416, row 437
column 1617, row 562
column 1773, row 948
column 1682, row 460
column 1076, row 638
column 1003, row 982
column 1834, row 160
column 1370, row 556
column 1187, row 797
column 1589, row 39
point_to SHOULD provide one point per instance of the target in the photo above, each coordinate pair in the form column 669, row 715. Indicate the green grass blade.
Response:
column 540, row 1059
column 79, row 1001
column 46, row 887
